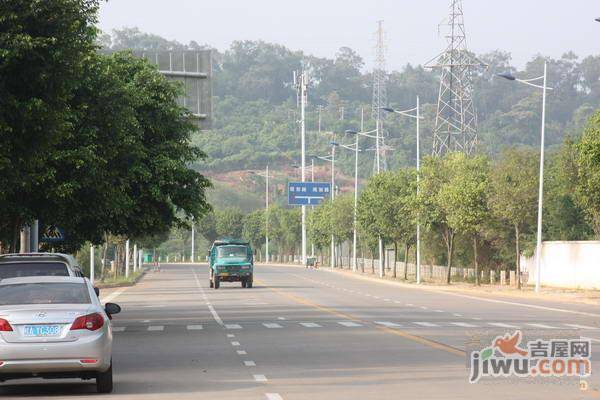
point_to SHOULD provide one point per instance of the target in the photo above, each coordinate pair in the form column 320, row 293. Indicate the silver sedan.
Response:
column 55, row 327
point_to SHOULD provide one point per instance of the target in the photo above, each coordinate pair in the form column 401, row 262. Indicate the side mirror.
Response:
column 97, row 291
column 112, row 308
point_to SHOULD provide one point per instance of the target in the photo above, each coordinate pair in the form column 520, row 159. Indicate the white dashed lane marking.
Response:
column 463, row 324
column 241, row 352
column 427, row 324
column 310, row 325
column 235, row 344
column 349, row 324
column 388, row 324
column 272, row 325
column 260, row 378
column 118, row 329
column 249, row 363
column 502, row 325
column 233, row 326
column 582, row 326
column 543, row 326
column 273, row 396
column 156, row 328
column 194, row 327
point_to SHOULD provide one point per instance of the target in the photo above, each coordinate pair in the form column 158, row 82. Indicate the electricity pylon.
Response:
column 456, row 120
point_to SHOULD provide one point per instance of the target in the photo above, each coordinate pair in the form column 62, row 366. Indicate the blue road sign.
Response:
column 52, row 234
column 308, row 193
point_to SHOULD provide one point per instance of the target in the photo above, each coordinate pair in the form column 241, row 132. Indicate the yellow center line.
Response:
column 418, row 339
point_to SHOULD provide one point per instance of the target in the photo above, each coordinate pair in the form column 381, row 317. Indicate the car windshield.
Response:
column 25, row 269
column 232, row 252
column 44, row 293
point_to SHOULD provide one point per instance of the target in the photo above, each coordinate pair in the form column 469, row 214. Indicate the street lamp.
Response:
column 266, row 176
column 356, row 150
column 368, row 134
column 331, row 158
column 417, row 116
column 533, row 82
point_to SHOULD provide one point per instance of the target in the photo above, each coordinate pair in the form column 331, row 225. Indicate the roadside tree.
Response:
column 514, row 194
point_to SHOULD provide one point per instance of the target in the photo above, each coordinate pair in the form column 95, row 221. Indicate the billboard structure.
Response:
column 193, row 68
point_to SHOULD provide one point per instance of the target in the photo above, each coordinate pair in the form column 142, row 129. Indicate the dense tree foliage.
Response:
column 464, row 198
column 588, row 166
column 94, row 144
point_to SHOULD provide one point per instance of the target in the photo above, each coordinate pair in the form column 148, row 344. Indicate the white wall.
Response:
column 568, row 265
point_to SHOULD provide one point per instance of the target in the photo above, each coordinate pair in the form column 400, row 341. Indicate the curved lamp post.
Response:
column 534, row 82
column 369, row 134
column 414, row 113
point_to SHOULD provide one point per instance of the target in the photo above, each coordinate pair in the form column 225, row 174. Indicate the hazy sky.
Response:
column 320, row 27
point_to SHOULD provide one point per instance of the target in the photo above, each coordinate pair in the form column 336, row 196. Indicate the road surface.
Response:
column 311, row 334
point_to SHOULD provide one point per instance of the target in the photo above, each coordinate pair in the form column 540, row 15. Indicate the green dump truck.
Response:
column 231, row 260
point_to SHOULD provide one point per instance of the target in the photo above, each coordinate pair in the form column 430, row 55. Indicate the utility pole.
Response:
column 135, row 258
column 355, row 220
column 92, row 270
column 312, row 179
column 193, row 244
column 332, row 199
column 127, row 258
column 267, row 215
column 301, row 84
column 418, row 260
column 320, row 109
column 34, row 232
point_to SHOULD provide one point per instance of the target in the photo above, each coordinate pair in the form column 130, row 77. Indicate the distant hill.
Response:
column 255, row 105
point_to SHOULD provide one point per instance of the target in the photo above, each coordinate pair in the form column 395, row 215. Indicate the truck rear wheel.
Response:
column 249, row 282
column 217, row 282
column 243, row 282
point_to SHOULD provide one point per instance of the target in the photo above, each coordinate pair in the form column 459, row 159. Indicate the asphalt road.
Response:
column 313, row 334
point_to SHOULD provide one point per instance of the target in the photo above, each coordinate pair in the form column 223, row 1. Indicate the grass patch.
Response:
column 121, row 280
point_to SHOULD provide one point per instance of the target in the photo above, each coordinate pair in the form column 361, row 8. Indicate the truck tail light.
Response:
column 91, row 322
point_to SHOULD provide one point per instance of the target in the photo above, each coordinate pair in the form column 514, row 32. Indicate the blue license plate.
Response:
column 41, row 330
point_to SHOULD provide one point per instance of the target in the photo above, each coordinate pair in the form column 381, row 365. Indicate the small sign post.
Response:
column 52, row 234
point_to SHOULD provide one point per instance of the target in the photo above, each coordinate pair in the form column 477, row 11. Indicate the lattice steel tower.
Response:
column 379, row 97
column 456, row 120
